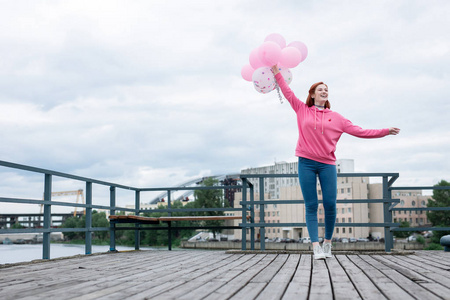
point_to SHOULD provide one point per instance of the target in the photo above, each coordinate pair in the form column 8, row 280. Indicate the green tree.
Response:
column 403, row 234
column 211, row 198
column 440, row 198
column 72, row 222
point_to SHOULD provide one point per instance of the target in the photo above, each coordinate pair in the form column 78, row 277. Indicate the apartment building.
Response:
column 289, row 189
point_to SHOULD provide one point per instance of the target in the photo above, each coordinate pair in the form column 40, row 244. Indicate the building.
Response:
column 289, row 189
column 348, row 188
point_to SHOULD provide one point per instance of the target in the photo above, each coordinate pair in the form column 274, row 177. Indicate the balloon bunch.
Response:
column 273, row 52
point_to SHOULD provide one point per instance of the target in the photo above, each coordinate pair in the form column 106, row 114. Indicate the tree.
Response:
column 439, row 218
column 402, row 234
column 211, row 198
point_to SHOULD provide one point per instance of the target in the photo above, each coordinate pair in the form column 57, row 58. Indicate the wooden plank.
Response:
column 387, row 286
column 410, row 286
column 320, row 281
column 249, row 291
column 434, row 282
column 428, row 260
column 278, row 284
column 362, row 283
column 441, row 257
column 133, row 219
column 298, row 288
column 246, row 270
column 343, row 287
column 412, row 259
column 199, row 218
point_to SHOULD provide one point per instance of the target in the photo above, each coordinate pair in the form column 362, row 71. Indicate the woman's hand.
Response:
column 275, row 70
column 394, row 130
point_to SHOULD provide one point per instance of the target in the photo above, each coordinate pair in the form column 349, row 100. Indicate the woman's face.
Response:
column 321, row 94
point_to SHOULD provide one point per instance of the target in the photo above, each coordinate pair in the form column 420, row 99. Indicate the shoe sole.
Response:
column 319, row 257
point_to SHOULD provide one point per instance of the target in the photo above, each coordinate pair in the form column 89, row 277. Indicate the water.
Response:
column 24, row 253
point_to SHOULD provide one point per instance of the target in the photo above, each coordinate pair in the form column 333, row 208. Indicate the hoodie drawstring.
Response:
column 315, row 119
column 322, row 120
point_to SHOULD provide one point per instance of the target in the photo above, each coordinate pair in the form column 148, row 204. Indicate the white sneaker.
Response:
column 318, row 253
column 327, row 249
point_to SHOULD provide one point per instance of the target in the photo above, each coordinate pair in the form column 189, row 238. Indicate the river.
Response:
column 28, row 252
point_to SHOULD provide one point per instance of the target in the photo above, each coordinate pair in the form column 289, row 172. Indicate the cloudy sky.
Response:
column 149, row 93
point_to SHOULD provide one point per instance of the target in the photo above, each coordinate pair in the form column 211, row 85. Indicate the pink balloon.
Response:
column 254, row 59
column 290, row 57
column 247, row 72
column 301, row 47
column 277, row 38
column 269, row 53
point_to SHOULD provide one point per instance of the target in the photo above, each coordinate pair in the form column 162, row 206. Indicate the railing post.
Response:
column 47, row 216
column 387, row 216
column 262, row 229
column 88, row 237
column 244, row 214
column 252, row 217
column 137, row 232
column 112, row 225
column 169, row 224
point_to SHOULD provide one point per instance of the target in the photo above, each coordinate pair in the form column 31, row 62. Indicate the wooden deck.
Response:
column 219, row 275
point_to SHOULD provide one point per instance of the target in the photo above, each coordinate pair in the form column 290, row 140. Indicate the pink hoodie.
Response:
column 320, row 130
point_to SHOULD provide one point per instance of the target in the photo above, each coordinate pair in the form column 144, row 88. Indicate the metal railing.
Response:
column 388, row 206
column 247, row 207
column 47, row 203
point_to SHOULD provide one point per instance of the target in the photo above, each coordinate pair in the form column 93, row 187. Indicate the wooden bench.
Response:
column 150, row 220
column 133, row 219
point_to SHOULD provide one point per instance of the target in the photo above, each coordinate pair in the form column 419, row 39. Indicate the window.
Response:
column 257, row 206
column 320, row 211
column 349, row 209
column 423, row 203
column 273, row 214
column 413, row 203
column 278, row 213
column 342, row 191
column 343, row 220
column 395, row 220
column 348, row 190
column 349, row 220
column 343, row 230
column 337, row 230
column 402, row 202
column 337, row 220
column 350, row 230
column 343, row 210
column 274, row 206
column 278, row 228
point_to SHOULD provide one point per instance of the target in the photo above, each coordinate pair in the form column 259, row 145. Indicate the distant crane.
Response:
column 78, row 193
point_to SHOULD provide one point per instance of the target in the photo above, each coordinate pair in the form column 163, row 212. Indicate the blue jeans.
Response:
column 308, row 170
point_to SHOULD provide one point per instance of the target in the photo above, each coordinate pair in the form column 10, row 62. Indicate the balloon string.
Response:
column 278, row 91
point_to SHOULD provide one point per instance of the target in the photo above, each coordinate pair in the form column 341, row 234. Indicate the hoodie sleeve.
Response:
column 288, row 93
column 357, row 131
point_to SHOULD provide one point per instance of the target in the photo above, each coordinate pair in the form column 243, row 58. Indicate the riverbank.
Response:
column 15, row 253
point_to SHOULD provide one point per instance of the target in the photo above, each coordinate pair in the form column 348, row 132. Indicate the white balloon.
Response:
column 263, row 80
column 286, row 73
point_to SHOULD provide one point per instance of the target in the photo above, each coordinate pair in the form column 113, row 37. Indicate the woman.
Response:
column 319, row 131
